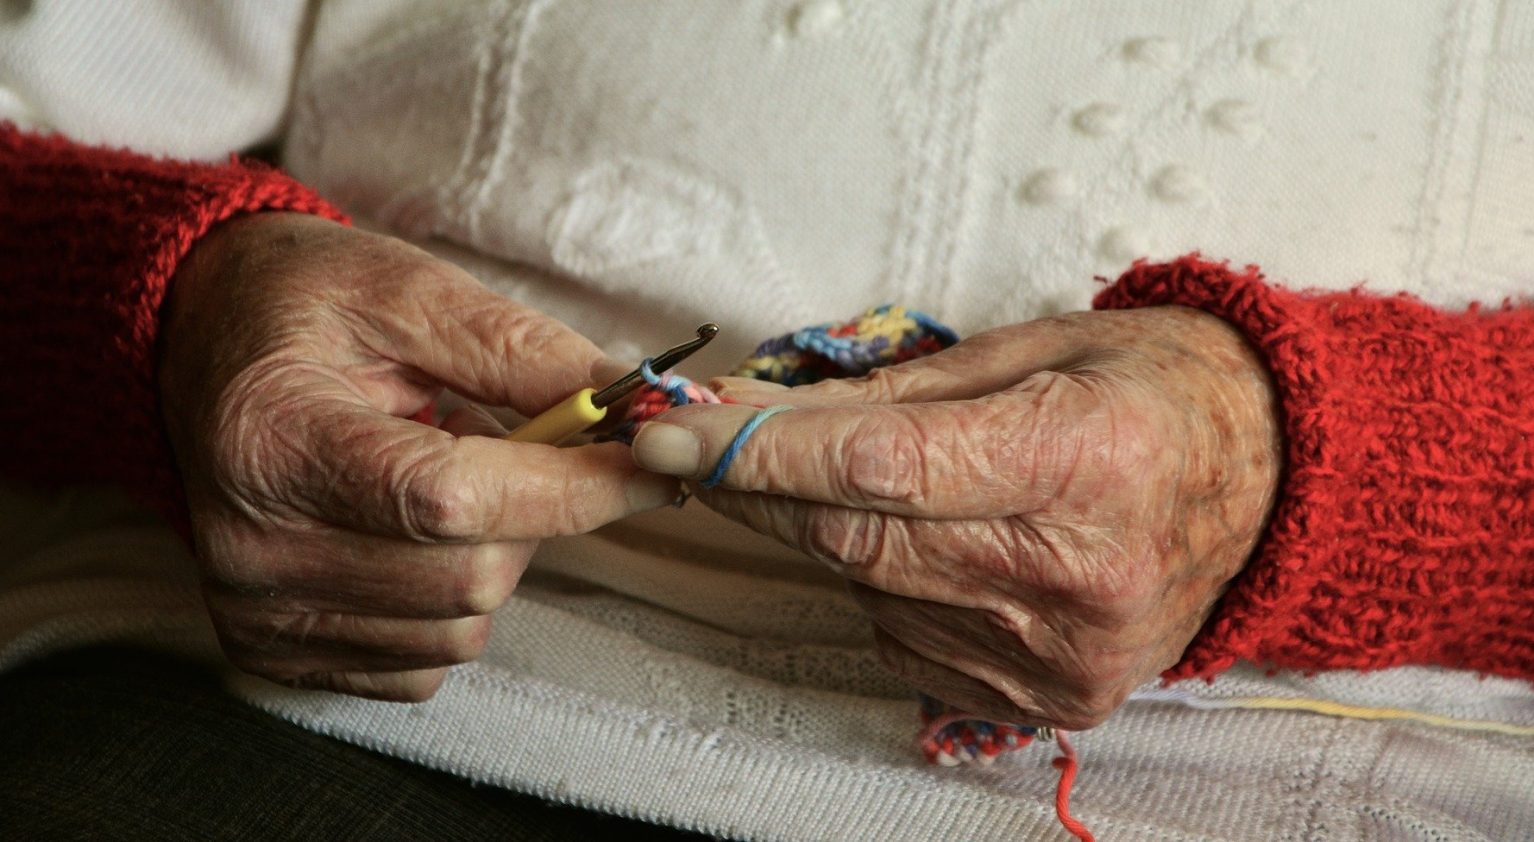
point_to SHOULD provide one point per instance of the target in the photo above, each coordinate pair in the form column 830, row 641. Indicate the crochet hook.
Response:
column 588, row 406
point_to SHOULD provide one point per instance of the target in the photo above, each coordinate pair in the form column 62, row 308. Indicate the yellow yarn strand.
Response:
column 1326, row 707
column 1329, row 708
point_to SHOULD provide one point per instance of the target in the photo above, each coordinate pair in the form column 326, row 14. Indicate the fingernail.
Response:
column 668, row 449
column 746, row 390
column 648, row 491
column 745, row 384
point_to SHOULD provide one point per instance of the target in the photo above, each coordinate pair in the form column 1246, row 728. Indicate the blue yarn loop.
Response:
column 739, row 442
column 674, row 387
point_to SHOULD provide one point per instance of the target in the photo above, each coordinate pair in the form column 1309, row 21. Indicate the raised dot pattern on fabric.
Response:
column 1100, row 119
column 1174, row 184
column 1178, row 184
column 1234, row 116
column 1047, row 186
column 1156, row 52
column 815, row 17
column 1283, row 55
column 1123, row 243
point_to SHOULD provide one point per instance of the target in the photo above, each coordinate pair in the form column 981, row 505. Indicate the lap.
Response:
column 122, row 744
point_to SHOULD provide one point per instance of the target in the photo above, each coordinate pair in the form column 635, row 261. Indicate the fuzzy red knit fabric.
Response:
column 89, row 239
column 1404, row 528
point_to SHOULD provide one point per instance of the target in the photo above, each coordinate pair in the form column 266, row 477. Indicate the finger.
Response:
column 361, row 469
column 473, row 420
column 333, row 570
column 984, row 363
column 953, row 687
column 284, row 646
column 971, row 563
column 408, row 686
column 440, row 320
column 1074, row 684
column 1002, row 453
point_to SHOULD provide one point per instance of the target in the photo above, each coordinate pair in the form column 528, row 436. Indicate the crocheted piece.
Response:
column 880, row 336
column 1403, row 532
column 660, row 393
column 89, row 238
column 950, row 737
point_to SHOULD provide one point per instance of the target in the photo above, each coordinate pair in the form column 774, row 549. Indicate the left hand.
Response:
column 1037, row 520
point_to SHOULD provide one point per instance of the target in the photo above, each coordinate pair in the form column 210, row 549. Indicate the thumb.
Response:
column 985, row 363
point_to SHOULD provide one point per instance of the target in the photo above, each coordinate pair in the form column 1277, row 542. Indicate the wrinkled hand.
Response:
column 343, row 546
column 1037, row 519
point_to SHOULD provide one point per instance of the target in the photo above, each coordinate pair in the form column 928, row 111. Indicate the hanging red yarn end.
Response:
column 1067, row 765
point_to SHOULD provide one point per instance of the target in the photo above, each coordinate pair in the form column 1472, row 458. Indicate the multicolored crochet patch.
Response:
column 880, row 336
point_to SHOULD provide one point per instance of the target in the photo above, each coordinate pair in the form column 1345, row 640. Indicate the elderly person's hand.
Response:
column 342, row 545
column 1037, row 519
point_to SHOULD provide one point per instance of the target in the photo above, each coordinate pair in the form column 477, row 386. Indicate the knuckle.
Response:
column 466, row 641
column 838, row 537
column 414, row 689
column 881, row 385
column 884, row 462
column 570, row 514
column 480, row 592
column 434, row 507
column 1087, row 709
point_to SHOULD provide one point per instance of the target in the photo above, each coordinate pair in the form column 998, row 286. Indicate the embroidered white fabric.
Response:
column 638, row 168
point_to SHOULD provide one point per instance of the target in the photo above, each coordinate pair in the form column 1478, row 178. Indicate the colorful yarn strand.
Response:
column 660, row 393
column 949, row 738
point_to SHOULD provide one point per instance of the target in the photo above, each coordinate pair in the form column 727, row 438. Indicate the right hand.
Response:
column 343, row 546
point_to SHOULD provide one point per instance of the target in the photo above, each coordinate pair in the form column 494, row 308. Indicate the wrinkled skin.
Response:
column 1037, row 520
column 342, row 545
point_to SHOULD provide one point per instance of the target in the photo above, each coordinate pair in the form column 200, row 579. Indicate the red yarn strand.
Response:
column 1067, row 765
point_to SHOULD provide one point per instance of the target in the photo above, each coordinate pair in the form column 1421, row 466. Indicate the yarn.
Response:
column 1326, row 707
column 880, row 336
column 660, row 393
column 717, row 475
column 950, row 737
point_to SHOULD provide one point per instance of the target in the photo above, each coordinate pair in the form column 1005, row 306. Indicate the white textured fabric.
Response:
column 636, row 168
column 175, row 77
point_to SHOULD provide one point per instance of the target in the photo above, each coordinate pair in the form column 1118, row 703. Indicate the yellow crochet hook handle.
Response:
column 578, row 412
column 561, row 421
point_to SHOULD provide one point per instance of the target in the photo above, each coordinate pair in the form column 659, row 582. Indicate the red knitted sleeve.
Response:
column 89, row 239
column 1404, row 528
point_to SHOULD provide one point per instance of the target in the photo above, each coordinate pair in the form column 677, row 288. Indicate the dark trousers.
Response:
column 119, row 744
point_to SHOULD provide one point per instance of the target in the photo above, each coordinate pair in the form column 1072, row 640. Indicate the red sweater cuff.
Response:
column 89, row 238
column 1404, row 528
